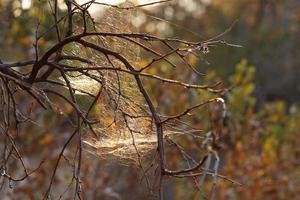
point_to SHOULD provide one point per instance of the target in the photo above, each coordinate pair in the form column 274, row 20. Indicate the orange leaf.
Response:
column 47, row 139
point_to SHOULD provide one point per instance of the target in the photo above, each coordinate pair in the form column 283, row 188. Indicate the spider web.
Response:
column 126, row 132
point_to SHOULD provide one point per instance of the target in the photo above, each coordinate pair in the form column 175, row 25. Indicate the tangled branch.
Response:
column 85, row 62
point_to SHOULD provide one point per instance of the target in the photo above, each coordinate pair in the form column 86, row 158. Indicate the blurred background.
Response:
column 263, row 120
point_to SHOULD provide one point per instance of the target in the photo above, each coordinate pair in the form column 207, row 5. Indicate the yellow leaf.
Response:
column 269, row 148
column 192, row 59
